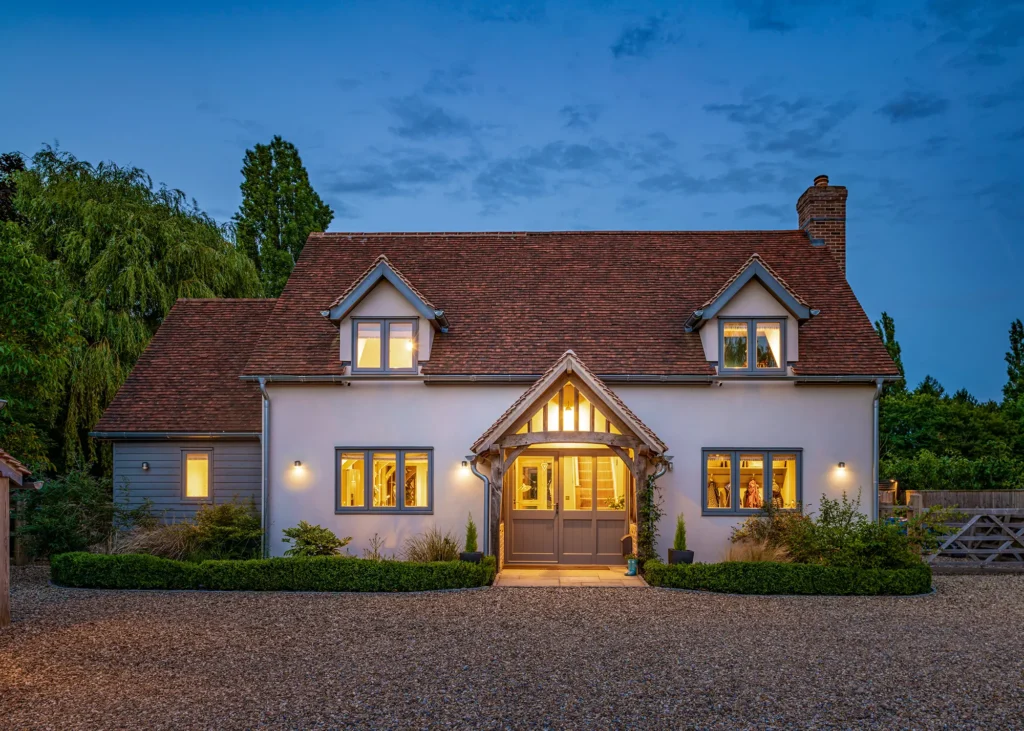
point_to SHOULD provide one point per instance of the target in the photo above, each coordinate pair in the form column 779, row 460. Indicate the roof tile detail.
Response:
column 187, row 380
column 743, row 268
column 382, row 259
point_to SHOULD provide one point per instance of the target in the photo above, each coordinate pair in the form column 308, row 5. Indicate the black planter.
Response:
column 472, row 556
column 675, row 556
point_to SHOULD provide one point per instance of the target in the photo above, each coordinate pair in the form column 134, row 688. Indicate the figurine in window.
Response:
column 713, row 494
column 776, row 495
column 752, row 498
column 724, row 495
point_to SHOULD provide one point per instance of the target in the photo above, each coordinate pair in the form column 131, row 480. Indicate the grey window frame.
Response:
column 751, row 369
column 385, row 338
column 767, row 453
column 209, row 477
column 367, row 507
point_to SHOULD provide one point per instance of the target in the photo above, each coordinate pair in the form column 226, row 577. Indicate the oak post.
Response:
column 5, row 551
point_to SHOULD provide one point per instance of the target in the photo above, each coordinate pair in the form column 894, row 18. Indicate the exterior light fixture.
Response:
column 465, row 464
column 842, row 465
column 298, row 463
column 145, row 466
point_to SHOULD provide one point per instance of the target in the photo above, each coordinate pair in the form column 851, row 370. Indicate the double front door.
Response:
column 566, row 507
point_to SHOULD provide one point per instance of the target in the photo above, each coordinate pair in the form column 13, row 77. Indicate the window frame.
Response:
column 767, row 454
column 751, row 368
column 185, row 452
column 385, row 339
column 367, row 507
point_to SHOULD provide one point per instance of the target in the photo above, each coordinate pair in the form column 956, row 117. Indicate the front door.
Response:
column 566, row 507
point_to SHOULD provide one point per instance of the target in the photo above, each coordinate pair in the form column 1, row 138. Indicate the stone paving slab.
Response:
column 597, row 576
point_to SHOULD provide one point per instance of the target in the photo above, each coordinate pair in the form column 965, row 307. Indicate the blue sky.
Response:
column 608, row 115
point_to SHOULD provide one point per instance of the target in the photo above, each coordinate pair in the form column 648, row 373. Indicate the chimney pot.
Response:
column 821, row 181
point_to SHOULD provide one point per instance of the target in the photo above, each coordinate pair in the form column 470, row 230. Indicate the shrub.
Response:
column 789, row 578
column 928, row 471
column 74, row 512
column 757, row 552
column 432, row 545
column 373, row 552
column 300, row 573
column 227, row 531
column 470, row 535
column 679, row 542
column 313, row 540
column 177, row 541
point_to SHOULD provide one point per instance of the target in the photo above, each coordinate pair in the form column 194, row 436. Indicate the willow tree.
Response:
column 279, row 210
column 125, row 251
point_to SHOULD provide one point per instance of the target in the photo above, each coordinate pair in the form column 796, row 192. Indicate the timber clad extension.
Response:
column 403, row 381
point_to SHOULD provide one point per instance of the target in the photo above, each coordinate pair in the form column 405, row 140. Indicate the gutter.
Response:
column 265, row 448
column 471, row 458
column 637, row 378
column 150, row 435
column 875, row 458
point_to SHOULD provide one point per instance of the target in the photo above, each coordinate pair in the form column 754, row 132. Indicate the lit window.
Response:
column 385, row 346
column 612, row 479
column 743, row 481
column 534, row 486
column 197, row 475
column 768, row 337
column 568, row 410
column 387, row 480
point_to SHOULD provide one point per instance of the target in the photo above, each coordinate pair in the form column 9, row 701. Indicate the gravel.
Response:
column 513, row 658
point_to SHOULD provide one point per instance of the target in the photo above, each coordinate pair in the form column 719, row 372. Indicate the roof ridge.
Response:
column 381, row 259
column 555, row 232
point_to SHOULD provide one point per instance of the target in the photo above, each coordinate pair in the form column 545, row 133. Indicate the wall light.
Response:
column 298, row 463
column 842, row 465
column 465, row 465
column 145, row 466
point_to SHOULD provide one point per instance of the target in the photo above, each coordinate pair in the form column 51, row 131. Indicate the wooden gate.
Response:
column 986, row 535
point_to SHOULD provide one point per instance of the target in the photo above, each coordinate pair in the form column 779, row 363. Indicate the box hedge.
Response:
column 788, row 578
column 314, row 573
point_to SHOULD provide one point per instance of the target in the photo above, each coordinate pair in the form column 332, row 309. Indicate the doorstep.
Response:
column 600, row 576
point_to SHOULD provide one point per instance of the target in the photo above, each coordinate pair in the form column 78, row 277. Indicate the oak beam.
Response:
column 583, row 437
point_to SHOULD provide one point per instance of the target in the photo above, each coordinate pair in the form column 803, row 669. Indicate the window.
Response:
column 747, row 480
column 568, row 410
column 384, row 346
column 196, row 474
column 385, row 480
column 752, row 346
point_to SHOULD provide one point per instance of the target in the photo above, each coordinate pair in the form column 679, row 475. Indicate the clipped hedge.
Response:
column 313, row 573
column 788, row 578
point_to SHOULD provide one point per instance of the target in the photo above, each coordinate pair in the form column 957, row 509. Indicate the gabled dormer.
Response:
column 750, row 326
column 386, row 326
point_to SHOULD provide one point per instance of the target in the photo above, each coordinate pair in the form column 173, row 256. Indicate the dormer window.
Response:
column 384, row 346
column 752, row 346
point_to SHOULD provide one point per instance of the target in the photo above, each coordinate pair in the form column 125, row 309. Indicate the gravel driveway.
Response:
column 513, row 657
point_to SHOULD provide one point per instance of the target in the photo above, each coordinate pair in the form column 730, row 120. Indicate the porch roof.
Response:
column 568, row 364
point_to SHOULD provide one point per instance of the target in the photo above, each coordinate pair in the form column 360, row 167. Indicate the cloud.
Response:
column 640, row 40
column 980, row 33
column 404, row 171
column 766, row 210
column 580, row 116
column 1018, row 135
column 759, row 177
column 452, row 81
column 803, row 126
column 419, row 119
column 912, row 105
column 764, row 15
column 1010, row 95
column 507, row 11
column 347, row 84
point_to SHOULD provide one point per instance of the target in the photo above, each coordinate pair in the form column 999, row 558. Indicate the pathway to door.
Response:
column 603, row 576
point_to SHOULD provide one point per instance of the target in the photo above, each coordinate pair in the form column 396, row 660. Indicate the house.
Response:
column 404, row 380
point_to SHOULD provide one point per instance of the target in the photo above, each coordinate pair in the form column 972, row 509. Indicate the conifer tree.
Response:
column 1014, row 388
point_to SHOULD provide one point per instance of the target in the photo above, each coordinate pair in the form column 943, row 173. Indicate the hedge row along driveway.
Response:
column 320, row 573
column 789, row 578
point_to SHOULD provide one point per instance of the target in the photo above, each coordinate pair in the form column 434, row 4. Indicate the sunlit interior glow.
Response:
column 197, row 475
column 568, row 410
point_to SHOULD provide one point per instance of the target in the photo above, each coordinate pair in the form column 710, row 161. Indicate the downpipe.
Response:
column 875, row 459
column 487, row 501
column 265, row 445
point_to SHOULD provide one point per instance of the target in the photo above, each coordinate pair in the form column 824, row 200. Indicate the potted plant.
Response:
column 631, row 565
column 471, row 554
column 678, row 552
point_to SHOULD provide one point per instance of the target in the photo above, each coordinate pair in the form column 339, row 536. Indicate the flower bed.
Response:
column 320, row 573
column 789, row 578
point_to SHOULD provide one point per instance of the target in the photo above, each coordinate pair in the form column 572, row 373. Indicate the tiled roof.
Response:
column 515, row 302
column 382, row 259
column 187, row 379
column 569, row 361
column 743, row 268
column 14, row 465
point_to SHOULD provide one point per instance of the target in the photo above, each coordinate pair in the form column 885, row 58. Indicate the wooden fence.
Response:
column 968, row 499
column 986, row 536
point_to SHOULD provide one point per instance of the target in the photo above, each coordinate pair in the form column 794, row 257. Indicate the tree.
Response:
column 279, row 210
column 124, row 252
column 930, row 387
column 886, row 329
column 1014, row 387
column 11, row 163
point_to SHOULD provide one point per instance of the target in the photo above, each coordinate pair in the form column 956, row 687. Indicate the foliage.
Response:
column 926, row 471
column 229, row 531
column 930, row 386
column 373, row 552
column 756, row 552
column 839, row 536
column 34, row 349
column 313, row 540
column 1014, row 388
column 886, row 329
column 178, row 541
column 11, row 163
column 279, row 210
column 679, row 542
column 790, row 578
column 432, row 545
column 299, row 573
column 649, row 513
column 123, row 251
column 74, row 512
column 470, row 535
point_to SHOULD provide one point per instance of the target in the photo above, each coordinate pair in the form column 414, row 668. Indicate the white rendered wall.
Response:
column 384, row 301
column 831, row 424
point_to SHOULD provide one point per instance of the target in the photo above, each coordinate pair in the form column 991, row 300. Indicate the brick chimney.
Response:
column 821, row 211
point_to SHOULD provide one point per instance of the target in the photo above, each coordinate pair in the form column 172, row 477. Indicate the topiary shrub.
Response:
column 679, row 542
column 313, row 540
column 470, row 535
